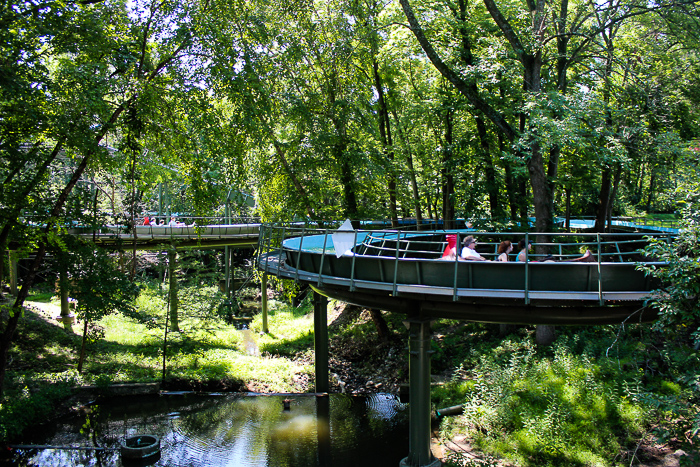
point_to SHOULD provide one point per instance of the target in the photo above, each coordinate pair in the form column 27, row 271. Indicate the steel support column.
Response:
column 263, row 297
column 321, row 341
column 227, row 273
column 419, row 339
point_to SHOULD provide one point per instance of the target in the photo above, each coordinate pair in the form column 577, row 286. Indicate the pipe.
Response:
column 63, row 448
column 448, row 411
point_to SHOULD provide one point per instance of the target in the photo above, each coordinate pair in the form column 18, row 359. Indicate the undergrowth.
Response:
column 588, row 400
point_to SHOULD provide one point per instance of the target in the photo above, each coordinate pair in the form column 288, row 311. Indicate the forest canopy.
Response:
column 355, row 109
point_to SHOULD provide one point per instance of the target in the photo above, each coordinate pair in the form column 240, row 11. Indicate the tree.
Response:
column 97, row 284
column 678, row 301
column 90, row 75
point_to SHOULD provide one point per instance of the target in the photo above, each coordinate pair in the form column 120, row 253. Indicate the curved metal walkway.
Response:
column 148, row 237
column 403, row 272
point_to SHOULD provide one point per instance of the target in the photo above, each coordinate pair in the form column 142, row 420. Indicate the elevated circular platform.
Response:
column 403, row 272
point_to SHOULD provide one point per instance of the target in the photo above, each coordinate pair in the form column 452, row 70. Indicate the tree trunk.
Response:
column 650, row 198
column 281, row 157
column 132, row 269
column 30, row 277
column 380, row 324
column 448, row 208
column 414, row 190
column 544, row 334
column 489, row 169
column 468, row 59
column 603, row 199
column 568, row 208
column 387, row 143
column 613, row 195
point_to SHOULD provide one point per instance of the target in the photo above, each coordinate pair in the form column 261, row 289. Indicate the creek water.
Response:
column 337, row 430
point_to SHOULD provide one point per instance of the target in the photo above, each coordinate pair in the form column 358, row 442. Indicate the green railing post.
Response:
column 600, row 271
column 323, row 257
column 527, row 269
column 301, row 241
column 284, row 232
column 396, row 259
column 352, row 266
column 454, row 283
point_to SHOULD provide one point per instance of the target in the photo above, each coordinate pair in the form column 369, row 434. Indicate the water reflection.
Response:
column 243, row 431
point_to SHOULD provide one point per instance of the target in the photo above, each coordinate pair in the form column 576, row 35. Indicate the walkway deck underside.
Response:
column 535, row 293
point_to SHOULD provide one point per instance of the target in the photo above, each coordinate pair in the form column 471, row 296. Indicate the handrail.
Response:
column 527, row 269
column 352, row 267
column 396, row 263
column 323, row 257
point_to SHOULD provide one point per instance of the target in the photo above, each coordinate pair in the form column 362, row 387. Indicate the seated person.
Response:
column 450, row 252
column 175, row 223
column 469, row 252
column 586, row 258
column 503, row 249
column 522, row 255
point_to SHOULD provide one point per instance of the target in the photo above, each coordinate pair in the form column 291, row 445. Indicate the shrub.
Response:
column 548, row 411
column 23, row 408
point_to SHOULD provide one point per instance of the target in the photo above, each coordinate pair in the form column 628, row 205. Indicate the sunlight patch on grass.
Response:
column 290, row 331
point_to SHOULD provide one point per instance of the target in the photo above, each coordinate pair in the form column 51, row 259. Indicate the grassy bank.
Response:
column 600, row 396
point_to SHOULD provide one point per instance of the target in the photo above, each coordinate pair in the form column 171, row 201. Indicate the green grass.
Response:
column 43, row 297
column 205, row 350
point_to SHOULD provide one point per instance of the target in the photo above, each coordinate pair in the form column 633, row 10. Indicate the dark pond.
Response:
column 233, row 430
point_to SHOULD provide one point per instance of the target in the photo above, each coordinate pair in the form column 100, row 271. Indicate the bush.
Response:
column 24, row 408
column 558, row 410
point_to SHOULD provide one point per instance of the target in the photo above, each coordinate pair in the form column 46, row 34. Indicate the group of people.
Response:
column 154, row 221
column 469, row 252
column 173, row 222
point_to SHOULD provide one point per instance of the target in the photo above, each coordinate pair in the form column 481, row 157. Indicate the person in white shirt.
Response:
column 469, row 252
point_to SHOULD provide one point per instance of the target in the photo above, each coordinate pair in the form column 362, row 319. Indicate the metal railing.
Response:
column 397, row 245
